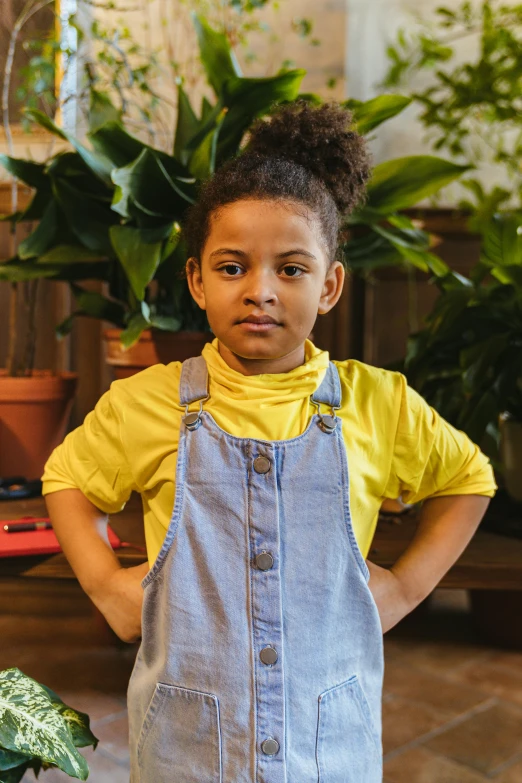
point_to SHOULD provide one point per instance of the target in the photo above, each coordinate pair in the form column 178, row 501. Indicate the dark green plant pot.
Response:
column 511, row 455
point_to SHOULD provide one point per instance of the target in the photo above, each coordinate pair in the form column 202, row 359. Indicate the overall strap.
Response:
column 329, row 392
column 193, row 384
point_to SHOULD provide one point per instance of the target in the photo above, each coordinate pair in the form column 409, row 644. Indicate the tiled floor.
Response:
column 452, row 709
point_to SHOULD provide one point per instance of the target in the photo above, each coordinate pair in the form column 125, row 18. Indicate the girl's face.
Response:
column 263, row 278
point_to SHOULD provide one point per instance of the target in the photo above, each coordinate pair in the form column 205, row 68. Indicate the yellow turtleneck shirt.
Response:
column 397, row 445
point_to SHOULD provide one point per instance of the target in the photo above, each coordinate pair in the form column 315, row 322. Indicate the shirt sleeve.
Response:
column 92, row 458
column 431, row 457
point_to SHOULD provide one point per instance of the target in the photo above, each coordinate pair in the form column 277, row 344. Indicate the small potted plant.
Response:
column 34, row 404
column 38, row 731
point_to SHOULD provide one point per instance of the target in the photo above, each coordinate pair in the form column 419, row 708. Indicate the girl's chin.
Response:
column 253, row 348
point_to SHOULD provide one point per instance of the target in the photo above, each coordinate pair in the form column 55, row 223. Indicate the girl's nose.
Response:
column 259, row 291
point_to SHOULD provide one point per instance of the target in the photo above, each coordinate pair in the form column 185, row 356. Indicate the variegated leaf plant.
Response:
column 38, row 731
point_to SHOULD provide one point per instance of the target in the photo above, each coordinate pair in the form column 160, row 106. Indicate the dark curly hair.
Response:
column 300, row 154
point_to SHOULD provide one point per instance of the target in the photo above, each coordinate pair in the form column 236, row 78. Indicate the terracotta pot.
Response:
column 153, row 347
column 34, row 412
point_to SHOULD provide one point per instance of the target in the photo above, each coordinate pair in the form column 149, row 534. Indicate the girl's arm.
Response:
column 446, row 526
column 81, row 529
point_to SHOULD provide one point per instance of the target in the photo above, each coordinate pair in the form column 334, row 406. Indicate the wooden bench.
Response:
column 490, row 568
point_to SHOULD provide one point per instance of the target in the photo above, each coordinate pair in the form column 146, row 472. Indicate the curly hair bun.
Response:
column 321, row 139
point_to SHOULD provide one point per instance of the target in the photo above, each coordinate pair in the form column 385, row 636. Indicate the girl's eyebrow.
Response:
column 223, row 251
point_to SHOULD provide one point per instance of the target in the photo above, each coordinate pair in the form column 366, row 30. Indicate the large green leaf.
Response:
column 187, row 125
column 72, row 167
column 16, row 272
column 78, row 722
column 102, row 110
column 155, row 183
column 43, row 235
column 10, row 759
column 370, row 114
column 370, row 251
column 70, row 254
column 479, row 359
column 33, row 174
column 36, row 207
column 98, row 163
column 135, row 328
column 403, row 182
column 114, row 143
column 29, row 723
column 413, row 251
column 15, row 774
column 475, row 419
column 247, row 99
column 202, row 162
column 139, row 252
column 86, row 217
column 215, row 53
column 502, row 244
column 93, row 305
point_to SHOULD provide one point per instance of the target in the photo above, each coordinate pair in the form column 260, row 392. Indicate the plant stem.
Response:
column 13, row 306
column 413, row 321
column 30, row 340
column 28, row 11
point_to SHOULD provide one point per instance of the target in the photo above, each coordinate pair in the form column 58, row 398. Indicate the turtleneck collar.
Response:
column 271, row 388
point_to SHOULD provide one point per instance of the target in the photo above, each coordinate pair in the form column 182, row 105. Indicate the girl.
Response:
column 262, row 466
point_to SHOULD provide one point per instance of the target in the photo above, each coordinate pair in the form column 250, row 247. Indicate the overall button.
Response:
column 268, row 655
column 261, row 465
column 270, row 747
column 192, row 421
column 264, row 561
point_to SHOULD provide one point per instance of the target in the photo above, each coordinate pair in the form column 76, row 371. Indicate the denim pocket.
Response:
column 348, row 745
column 180, row 739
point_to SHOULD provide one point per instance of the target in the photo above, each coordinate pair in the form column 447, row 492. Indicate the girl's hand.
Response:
column 121, row 601
column 389, row 596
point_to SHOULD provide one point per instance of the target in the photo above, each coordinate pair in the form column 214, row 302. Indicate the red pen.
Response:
column 27, row 524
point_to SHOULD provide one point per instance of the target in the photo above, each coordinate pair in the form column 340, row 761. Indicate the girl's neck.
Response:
column 261, row 366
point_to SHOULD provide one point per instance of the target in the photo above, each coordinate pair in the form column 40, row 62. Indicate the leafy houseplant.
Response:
column 114, row 212
column 470, row 108
column 467, row 361
column 38, row 731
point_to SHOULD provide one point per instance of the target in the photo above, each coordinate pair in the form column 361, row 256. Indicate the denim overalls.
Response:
column 261, row 658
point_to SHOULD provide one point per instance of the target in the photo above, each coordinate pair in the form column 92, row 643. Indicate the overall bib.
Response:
column 261, row 658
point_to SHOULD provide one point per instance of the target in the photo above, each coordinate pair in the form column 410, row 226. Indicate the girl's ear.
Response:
column 332, row 288
column 195, row 282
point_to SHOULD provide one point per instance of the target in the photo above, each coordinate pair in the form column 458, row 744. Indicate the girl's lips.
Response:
column 255, row 326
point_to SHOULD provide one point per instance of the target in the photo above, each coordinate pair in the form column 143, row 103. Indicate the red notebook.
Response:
column 36, row 542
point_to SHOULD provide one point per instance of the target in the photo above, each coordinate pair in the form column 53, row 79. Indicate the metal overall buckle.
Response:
column 326, row 422
column 193, row 420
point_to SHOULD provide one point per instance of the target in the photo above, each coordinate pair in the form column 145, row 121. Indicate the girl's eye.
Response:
column 292, row 271
column 231, row 270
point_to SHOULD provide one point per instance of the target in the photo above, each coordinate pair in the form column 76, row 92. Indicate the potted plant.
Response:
column 470, row 107
column 114, row 211
column 467, row 361
column 34, row 404
column 38, row 731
